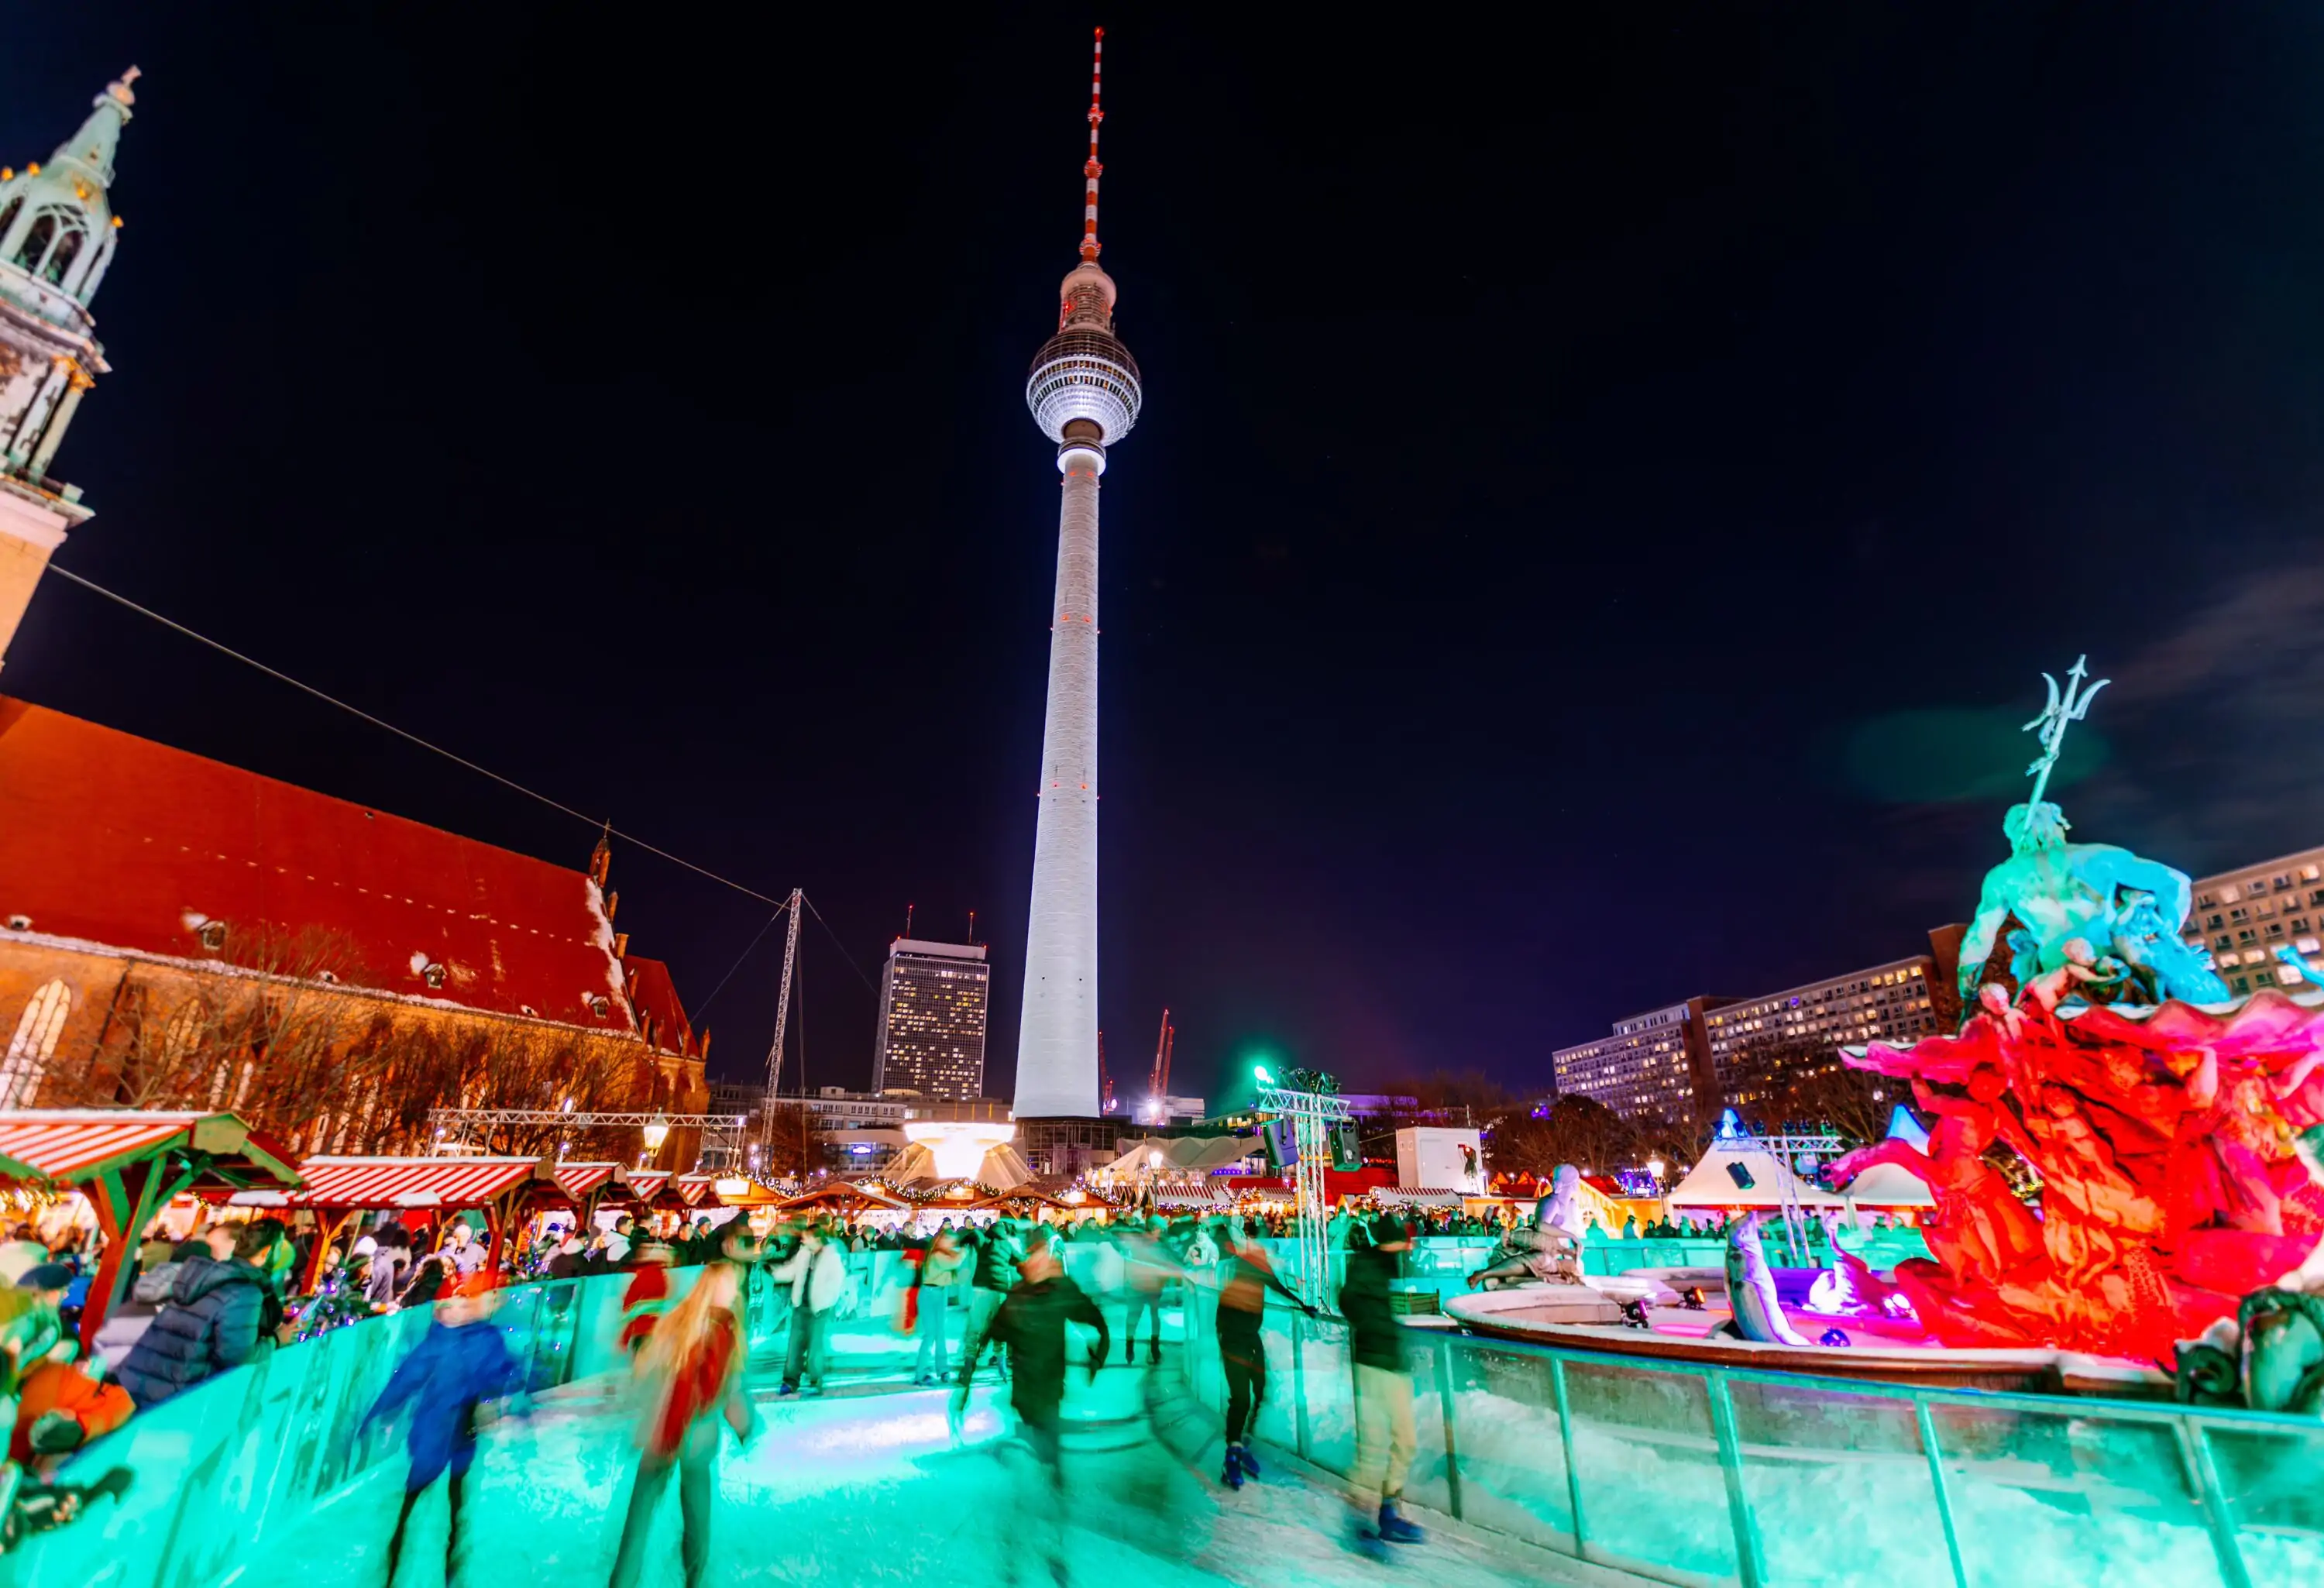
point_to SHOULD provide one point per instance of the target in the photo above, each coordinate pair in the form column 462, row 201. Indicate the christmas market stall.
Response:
column 846, row 1198
column 338, row 1188
column 578, row 1188
column 129, row 1163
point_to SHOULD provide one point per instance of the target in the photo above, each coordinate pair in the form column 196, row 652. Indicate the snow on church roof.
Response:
column 116, row 842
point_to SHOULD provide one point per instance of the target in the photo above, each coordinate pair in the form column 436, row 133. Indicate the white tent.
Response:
column 1184, row 1154
column 1710, row 1185
column 1890, row 1185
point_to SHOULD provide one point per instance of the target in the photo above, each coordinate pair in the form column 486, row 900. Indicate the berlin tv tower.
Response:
column 1085, row 394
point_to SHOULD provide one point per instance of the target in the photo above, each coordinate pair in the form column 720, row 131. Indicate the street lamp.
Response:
column 1654, row 1166
column 657, row 1132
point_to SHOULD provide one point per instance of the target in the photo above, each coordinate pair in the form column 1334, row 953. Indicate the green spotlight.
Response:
column 1265, row 1079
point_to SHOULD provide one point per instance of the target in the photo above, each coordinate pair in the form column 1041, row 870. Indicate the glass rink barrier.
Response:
column 223, row 1473
column 1699, row 1475
column 1671, row 1472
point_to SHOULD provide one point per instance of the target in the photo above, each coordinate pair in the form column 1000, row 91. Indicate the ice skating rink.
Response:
column 867, row 1485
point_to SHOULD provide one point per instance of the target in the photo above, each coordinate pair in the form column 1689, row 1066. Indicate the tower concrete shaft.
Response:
column 1084, row 393
column 1056, row 1044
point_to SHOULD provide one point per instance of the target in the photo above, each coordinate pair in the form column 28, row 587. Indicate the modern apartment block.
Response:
column 932, row 1003
column 1759, row 1045
column 1655, row 1064
column 2243, row 917
column 1690, row 1060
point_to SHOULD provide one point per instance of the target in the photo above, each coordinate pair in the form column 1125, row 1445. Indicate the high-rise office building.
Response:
column 932, row 1000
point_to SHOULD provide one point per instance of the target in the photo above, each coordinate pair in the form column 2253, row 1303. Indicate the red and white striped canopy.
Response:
column 647, row 1182
column 695, row 1188
column 63, row 1145
column 450, row 1183
column 578, row 1180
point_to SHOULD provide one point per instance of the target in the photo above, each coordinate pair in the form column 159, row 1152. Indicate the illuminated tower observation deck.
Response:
column 1084, row 392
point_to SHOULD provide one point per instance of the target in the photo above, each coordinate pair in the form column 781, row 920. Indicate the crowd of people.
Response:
column 972, row 1300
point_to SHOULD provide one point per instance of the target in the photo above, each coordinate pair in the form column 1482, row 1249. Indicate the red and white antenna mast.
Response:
column 1093, row 171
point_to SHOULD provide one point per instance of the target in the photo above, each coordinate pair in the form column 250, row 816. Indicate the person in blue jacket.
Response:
column 461, row 1362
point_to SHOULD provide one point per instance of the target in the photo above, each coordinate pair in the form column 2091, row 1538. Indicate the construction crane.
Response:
column 1157, row 1084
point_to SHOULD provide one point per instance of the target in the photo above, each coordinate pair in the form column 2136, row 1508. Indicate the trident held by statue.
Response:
column 2072, row 709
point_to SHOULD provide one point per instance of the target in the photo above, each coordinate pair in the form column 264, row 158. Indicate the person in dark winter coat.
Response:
column 461, row 1362
column 217, row 1303
column 390, row 1264
column 1385, row 1435
column 1031, row 1323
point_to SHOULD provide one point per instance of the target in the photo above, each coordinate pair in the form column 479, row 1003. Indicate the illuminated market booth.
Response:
column 131, row 1164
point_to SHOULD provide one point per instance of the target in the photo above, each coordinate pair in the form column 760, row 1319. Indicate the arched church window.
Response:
column 36, row 242
column 8, row 216
column 61, row 256
column 34, row 1043
column 51, row 243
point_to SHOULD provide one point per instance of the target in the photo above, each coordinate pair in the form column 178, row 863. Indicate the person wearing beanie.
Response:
column 1385, row 1438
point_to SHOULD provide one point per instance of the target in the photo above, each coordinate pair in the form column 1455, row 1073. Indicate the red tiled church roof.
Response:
column 654, row 996
column 111, row 839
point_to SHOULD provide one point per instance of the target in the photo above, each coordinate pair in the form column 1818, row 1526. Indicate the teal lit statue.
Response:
column 2099, row 922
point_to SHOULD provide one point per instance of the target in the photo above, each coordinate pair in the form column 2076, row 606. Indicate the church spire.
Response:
column 91, row 149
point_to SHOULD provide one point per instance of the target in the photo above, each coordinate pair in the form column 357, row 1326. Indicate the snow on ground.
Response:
column 866, row 1486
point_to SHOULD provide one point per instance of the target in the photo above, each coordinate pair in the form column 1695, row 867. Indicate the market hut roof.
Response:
column 694, row 1190
column 579, row 1180
column 452, row 1183
column 844, row 1194
column 646, row 1183
column 64, row 1145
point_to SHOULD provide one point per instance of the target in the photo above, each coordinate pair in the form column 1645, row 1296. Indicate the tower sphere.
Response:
column 1083, row 371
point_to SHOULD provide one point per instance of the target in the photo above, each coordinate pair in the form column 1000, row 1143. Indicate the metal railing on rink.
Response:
column 1696, row 1475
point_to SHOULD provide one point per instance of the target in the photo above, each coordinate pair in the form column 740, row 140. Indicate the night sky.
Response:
column 1605, row 498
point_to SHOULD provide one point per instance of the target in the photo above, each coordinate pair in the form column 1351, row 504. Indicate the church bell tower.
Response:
column 57, row 237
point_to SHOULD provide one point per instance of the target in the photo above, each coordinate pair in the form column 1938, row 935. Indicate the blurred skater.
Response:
column 817, row 1275
column 1245, row 1278
column 461, row 1363
column 1031, row 1324
column 688, row 1378
column 1145, row 1268
column 991, row 1278
column 932, row 1290
column 1385, row 1436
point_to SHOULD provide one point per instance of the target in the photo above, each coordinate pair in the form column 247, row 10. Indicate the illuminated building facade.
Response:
column 1656, row 1064
column 2241, row 918
column 932, row 1008
column 1688, row 1061
column 1759, row 1045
